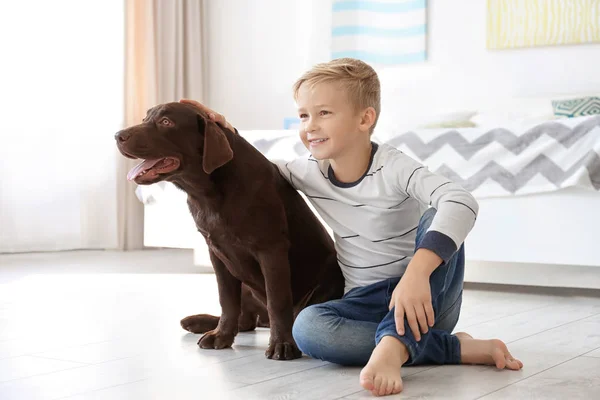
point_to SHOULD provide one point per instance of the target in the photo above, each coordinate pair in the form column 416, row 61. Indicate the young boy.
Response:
column 403, row 262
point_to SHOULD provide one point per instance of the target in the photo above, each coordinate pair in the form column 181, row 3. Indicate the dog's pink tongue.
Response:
column 143, row 166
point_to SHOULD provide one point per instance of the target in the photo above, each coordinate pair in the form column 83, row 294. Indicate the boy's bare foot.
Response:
column 382, row 375
column 487, row 352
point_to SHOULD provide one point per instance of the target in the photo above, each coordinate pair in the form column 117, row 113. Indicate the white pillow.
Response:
column 499, row 119
column 410, row 119
column 456, row 119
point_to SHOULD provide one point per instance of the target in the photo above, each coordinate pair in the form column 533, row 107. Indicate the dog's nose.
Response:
column 122, row 136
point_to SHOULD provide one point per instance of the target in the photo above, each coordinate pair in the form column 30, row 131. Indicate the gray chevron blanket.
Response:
column 488, row 162
column 495, row 162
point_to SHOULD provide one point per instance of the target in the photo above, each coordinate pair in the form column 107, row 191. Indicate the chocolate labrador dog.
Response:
column 271, row 255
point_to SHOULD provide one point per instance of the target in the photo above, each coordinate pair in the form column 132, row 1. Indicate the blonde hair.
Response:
column 357, row 78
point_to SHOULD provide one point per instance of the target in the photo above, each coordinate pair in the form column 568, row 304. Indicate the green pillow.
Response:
column 576, row 107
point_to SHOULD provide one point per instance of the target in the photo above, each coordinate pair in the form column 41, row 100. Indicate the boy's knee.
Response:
column 302, row 323
column 427, row 219
column 428, row 215
column 306, row 328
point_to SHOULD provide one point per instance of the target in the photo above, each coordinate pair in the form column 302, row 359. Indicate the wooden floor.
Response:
column 104, row 325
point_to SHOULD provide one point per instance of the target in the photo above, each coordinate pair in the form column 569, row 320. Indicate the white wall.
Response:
column 258, row 48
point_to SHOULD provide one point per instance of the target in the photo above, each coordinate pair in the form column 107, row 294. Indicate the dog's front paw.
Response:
column 216, row 340
column 283, row 351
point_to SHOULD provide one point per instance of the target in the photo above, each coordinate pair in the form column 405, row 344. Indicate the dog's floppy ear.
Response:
column 217, row 151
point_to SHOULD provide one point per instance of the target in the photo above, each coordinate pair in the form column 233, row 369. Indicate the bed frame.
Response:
column 549, row 240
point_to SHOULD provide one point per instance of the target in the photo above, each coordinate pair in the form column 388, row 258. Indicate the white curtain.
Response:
column 166, row 61
column 61, row 101
column 72, row 74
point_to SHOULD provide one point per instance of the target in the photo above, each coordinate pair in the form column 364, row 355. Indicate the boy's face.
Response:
column 330, row 124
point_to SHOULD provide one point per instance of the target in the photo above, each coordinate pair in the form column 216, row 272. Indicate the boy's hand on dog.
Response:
column 218, row 118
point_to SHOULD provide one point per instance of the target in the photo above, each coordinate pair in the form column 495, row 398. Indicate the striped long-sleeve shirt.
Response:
column 374, row 220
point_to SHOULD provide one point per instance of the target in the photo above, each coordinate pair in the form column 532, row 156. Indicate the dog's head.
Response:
column 172, row 138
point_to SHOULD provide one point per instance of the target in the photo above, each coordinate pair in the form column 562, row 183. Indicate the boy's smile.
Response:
column 316, row 142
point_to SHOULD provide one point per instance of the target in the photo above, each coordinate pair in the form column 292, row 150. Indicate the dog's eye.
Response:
column 165, row 122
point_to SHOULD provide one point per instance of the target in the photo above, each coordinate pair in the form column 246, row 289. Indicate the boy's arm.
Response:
column 456, row 214
column 457, row 209
column 286, row 171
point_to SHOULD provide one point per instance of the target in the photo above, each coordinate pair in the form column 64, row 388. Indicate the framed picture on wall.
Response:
column 390, row 32
column 530, row 23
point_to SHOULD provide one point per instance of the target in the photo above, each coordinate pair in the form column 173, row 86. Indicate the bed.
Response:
column 537, row 183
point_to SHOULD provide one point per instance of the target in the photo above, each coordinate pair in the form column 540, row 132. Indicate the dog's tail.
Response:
column 200, row 323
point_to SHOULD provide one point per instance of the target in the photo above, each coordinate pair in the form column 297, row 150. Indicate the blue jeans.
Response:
column 346, row 331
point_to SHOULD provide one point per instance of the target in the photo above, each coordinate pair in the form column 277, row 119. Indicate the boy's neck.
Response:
column 353, row 164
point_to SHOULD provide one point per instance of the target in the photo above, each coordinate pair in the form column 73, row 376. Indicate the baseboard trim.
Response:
column 530, row 274
column 504, row 273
